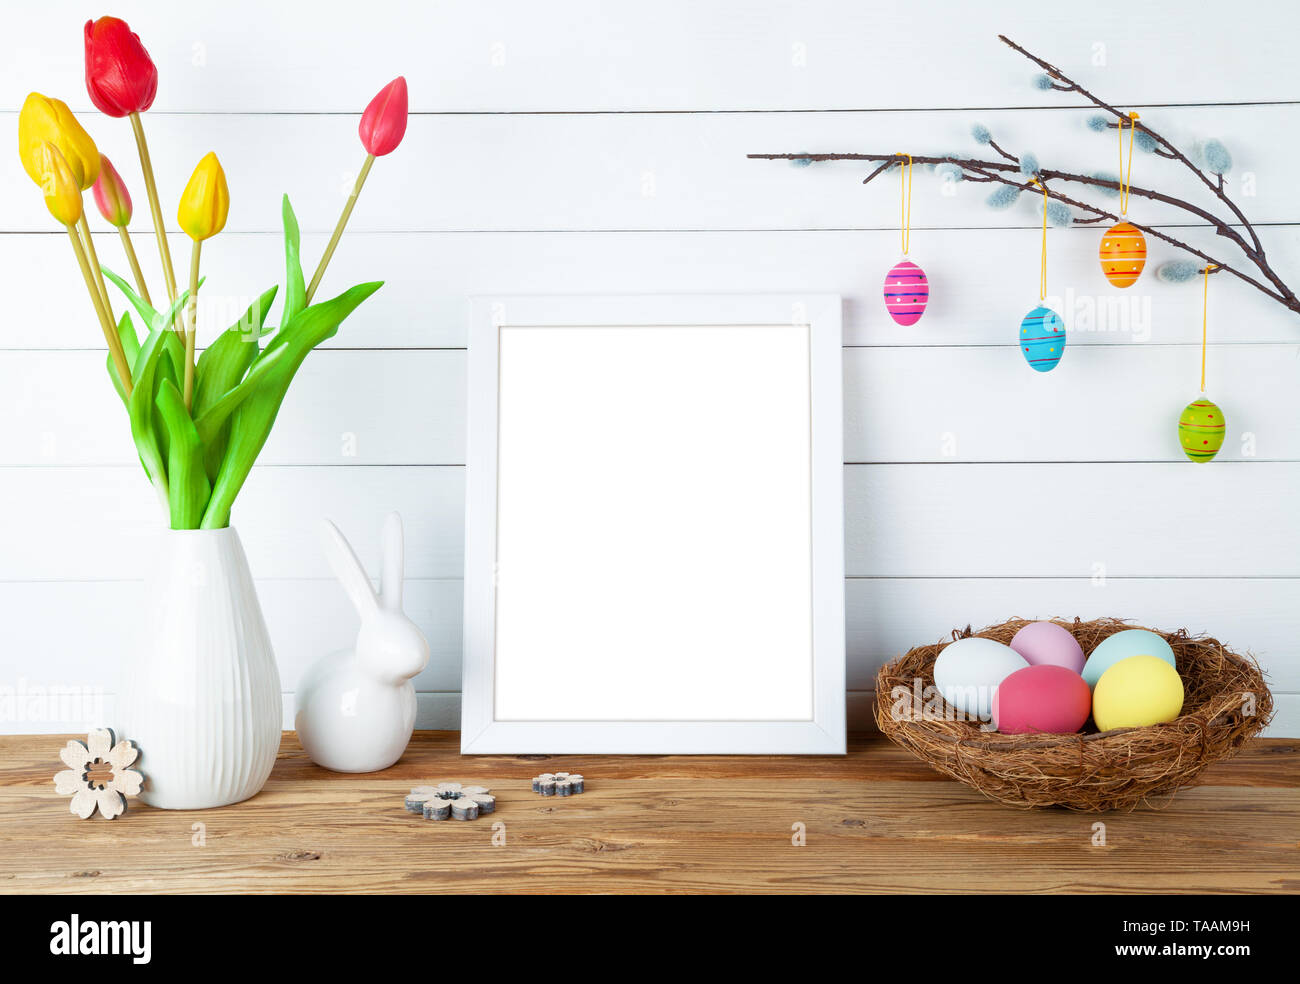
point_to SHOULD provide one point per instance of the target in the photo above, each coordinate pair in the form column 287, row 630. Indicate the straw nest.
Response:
column 1226, row 702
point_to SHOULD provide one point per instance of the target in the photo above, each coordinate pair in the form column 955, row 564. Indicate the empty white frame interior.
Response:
column 654, row 557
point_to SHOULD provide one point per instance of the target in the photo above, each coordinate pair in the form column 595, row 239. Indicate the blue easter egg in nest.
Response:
column 1042, row 338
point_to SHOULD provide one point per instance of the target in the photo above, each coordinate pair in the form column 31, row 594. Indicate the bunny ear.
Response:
column 347, row 568
column 390, row 586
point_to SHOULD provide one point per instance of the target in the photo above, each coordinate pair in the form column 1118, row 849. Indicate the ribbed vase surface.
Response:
column 200, row 693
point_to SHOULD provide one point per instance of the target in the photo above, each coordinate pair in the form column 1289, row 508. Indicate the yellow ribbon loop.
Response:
column 1126, row 181
column 905, row 203
column 1042, row 270
column 1205, row 318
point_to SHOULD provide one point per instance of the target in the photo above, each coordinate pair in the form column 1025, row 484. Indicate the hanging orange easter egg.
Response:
column 1123, row 254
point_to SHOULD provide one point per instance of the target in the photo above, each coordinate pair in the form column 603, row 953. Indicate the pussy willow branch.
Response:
column 1011, row 157
column 1170, row 150
column 1008, row 172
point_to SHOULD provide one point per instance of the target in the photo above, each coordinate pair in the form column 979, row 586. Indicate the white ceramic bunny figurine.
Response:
column 356, row 708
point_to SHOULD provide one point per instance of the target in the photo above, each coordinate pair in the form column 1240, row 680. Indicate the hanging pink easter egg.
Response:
column 906, row 293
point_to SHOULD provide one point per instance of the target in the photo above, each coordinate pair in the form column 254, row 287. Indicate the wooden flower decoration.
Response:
column 450, row 800
column 98, row 774
column 558, row 784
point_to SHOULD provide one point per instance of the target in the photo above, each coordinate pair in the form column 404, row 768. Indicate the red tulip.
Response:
column 383, row 124
column 120, row 76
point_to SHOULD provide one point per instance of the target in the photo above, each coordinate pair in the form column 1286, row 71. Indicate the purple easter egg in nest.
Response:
column 1048, row 644
column 906, row 293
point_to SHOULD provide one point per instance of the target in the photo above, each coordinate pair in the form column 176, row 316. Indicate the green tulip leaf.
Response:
column 295, row 289
column 225, row 361
column 151, row 317
column 212, row 421
column 140, row 409
column 161, row 357
column 173, row 359
column 188, row 483
column 171, row 368
column 130, row 348
column 126, row 334
column 255, row 415
column 220, row 368
column 146, row 311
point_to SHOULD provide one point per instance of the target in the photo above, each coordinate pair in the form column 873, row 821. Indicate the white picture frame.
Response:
column 654, row 553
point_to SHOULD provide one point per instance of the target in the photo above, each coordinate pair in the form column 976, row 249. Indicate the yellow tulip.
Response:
column 206, row 201
column 44, row 120
column 59, row 185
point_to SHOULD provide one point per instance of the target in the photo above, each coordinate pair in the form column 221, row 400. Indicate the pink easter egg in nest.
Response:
column 906, row 293
column 1041, row 699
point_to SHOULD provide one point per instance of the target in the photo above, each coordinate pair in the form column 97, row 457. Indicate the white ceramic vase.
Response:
column 200, row 694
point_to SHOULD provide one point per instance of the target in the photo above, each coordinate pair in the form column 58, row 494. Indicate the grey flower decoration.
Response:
column 98, row 774
column 558, row 784
column 450, row 800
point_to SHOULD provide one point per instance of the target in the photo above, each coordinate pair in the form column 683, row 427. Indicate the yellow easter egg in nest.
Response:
column 1123, row 254
column 1136, row 693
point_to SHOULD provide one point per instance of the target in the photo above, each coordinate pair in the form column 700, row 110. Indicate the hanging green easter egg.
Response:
column 1201, row 429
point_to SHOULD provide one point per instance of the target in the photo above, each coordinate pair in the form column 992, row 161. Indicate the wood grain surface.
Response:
column 874, row 820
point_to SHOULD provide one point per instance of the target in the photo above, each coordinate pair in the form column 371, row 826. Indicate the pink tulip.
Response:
column 111, row 196
column 383, row 124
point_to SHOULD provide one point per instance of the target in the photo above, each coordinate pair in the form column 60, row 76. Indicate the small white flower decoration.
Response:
column 98, row 774
column 450, row 800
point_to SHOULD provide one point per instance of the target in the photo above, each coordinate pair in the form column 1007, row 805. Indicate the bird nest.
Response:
column 1226, row 703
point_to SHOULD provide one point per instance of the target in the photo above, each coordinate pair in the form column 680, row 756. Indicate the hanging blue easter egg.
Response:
column 1042, row 338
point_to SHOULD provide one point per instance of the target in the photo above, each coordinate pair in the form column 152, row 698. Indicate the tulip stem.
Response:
column 134, row 260
column 338, row 229
column 105, row 322
column 151, row 187
column 94, row 264
column 192, row 323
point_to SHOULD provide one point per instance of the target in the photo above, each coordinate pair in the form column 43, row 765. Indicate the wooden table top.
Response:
column 875, row 820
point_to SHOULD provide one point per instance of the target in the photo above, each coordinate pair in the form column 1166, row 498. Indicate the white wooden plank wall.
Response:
column 595, row 147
